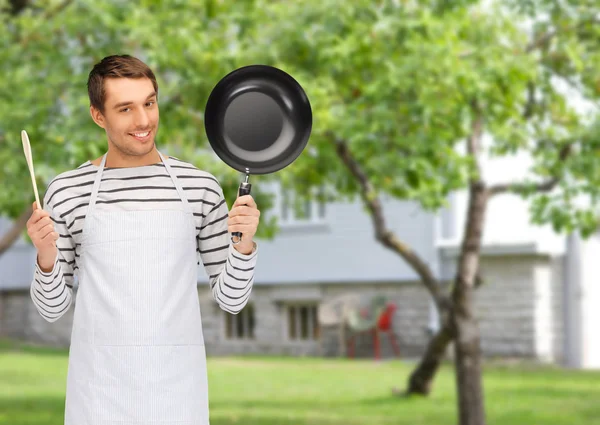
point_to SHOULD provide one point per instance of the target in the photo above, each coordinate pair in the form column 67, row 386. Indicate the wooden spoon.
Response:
column 27, row 150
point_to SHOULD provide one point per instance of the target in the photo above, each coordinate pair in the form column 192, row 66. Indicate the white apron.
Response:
column 137, row 349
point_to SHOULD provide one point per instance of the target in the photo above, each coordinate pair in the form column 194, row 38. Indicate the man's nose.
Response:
column 141, row 119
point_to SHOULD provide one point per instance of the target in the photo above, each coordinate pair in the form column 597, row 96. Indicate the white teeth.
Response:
column 141, row 134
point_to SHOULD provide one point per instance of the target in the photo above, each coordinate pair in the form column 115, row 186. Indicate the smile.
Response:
column 140, row 136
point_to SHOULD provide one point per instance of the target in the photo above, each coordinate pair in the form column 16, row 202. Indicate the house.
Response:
column 537, row 300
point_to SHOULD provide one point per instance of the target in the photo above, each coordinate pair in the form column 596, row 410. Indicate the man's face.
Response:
column 130, row 115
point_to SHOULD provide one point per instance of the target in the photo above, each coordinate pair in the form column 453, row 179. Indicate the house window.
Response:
column 302, row 323
column 241, row 325
column 301, row 208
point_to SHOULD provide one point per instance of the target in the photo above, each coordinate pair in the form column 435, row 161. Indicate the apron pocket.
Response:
column 150, row 383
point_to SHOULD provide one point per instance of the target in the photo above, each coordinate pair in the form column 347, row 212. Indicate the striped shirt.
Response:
column 230, row 273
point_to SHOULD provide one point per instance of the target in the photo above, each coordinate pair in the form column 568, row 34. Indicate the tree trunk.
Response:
column 467, row 342
column 17, row 6
column 468, row 374
column 15, row 231
column 421, row 378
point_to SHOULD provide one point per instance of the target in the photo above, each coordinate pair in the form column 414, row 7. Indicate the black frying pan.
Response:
column 258, row 120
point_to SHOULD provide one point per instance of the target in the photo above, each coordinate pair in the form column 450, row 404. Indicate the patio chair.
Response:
column 376, row 319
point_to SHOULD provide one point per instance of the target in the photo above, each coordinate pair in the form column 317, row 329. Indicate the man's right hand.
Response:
column 40, row 229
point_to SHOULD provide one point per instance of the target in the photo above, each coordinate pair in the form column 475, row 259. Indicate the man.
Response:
column 134, row 225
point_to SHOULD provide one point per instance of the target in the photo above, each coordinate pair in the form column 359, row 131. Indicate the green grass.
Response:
column 302, row 391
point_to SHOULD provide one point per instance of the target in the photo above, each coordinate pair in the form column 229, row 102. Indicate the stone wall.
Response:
column 14, row 309
column 410, row 322
column 505, row 307
column 20, row 320
column 518, row 307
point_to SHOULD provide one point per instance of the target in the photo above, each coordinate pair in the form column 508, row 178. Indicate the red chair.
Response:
column 382, row 325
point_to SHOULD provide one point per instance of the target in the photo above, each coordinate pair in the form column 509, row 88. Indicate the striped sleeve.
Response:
column 231, row 273
column 52, row 292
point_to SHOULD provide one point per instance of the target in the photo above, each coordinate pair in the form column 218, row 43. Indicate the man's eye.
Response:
column 150, row 103
column 124, row 109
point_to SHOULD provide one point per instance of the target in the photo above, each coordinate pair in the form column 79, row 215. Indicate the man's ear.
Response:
column 97, row 116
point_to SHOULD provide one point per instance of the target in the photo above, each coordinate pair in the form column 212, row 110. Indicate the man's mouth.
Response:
column 141, row 135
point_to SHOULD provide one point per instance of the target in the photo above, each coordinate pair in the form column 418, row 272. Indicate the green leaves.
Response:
column 393, row 80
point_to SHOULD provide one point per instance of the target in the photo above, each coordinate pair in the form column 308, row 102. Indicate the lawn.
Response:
column 303, row 391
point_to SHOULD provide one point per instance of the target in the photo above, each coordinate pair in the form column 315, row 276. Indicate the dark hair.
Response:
column 115, row 66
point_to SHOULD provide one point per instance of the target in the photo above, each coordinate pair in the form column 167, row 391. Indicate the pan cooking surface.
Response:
column 258, row 118
column 253, row 121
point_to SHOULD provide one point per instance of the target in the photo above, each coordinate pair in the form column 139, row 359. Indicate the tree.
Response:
column 402, row 86
column 403, row 94
column 418, row 80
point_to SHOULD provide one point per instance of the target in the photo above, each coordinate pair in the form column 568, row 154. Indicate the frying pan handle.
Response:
column 245, row 188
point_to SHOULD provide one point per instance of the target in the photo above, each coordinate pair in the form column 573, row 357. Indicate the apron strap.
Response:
column 98, row 179
column 96, row 186
column 182, row 196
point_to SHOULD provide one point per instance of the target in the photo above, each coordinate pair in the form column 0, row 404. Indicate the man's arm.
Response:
column 231, row 273
column 52, row 286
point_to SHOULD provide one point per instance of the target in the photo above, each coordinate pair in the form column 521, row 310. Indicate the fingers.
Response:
column 45, row 231
column 242, row 219
column 37, row 215
column 50, row 238
column 247, row 230
column 243, row 223
column 40, row 229
column 41, row 223
column 244, row 200
column 244, row 210
column 244, row 216
column 44, row 236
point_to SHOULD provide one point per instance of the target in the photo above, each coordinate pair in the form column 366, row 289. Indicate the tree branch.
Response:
column 16, row 6
column 467, row 54
column 545, row 38
column 52, row 13
column 15, row 231
column 48, row 14
column 545, row 186
column 540, row 41
column 530, row 105
column 474, row 140
column 421, row 379
column 382, row 233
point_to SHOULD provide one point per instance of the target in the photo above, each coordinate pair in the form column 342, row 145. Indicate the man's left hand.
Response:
column 244, row 218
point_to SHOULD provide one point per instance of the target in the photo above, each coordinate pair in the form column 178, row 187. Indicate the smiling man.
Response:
column 133, row 226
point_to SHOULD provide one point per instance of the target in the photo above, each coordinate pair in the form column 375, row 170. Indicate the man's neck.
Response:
column 116, row 160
